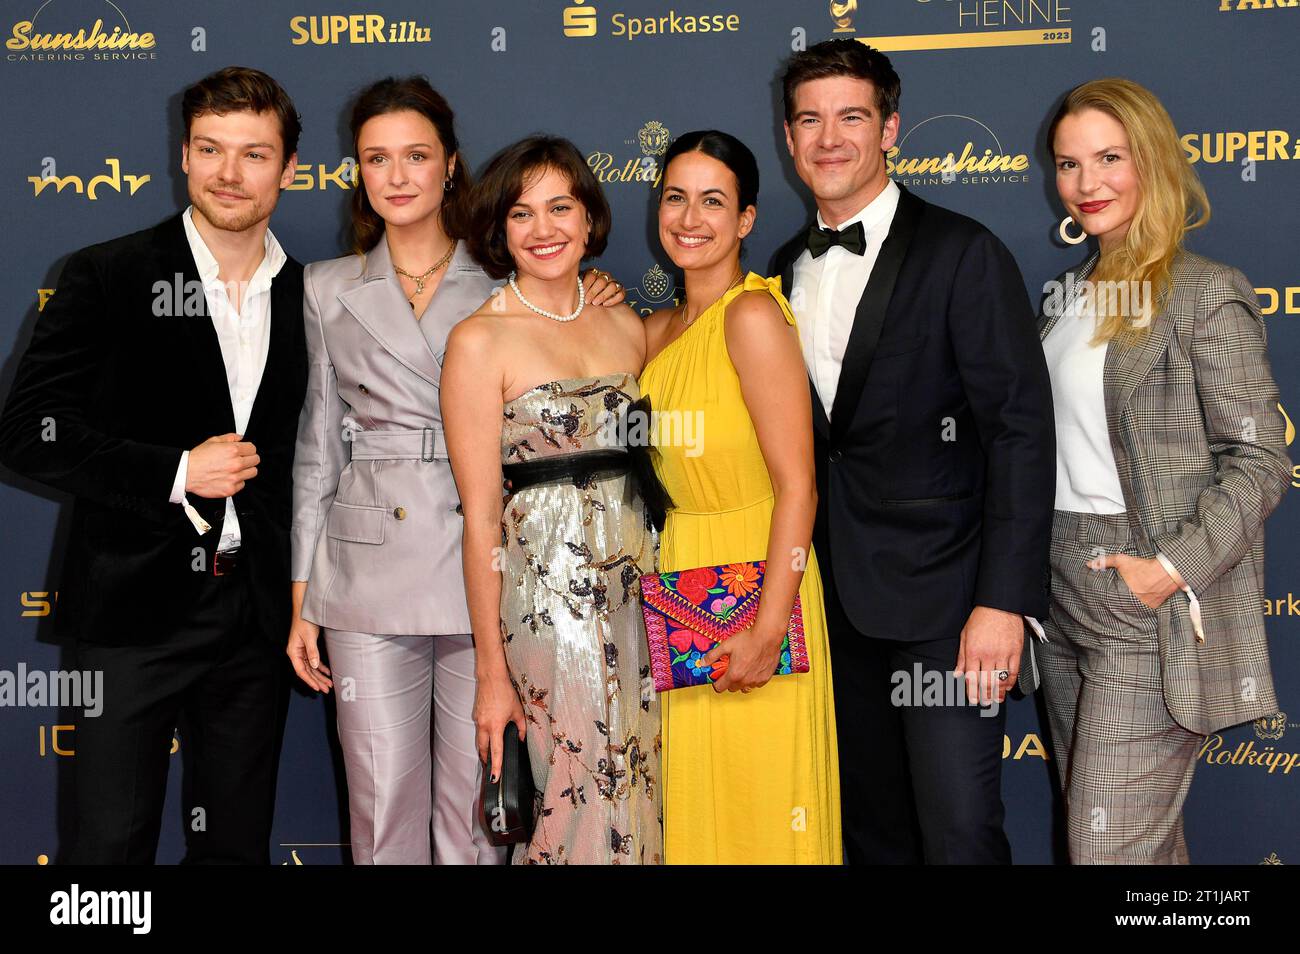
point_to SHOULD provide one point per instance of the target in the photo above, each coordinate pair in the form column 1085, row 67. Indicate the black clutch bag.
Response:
column 508, row 802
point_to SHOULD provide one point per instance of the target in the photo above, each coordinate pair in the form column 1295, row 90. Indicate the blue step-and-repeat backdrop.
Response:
column 92, row 151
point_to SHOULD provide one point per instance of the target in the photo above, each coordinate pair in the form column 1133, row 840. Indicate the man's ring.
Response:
column 1003, row 675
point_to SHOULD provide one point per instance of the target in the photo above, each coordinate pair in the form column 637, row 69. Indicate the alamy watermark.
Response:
column 638, row 428
column 1133, row 301
column 56, row 688
column 181, row 298
column 133, row 909
column 921, row 687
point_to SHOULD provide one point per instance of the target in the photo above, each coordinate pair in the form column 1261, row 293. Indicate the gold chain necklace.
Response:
column 681, row 309
column 421, row 279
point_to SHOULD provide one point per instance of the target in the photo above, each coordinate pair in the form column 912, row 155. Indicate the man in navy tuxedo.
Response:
column 933, row 432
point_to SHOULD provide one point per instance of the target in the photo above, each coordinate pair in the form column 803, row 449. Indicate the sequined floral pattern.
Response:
column 572, row 553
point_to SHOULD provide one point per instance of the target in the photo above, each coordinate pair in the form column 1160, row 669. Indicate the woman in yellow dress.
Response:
column 750, row 764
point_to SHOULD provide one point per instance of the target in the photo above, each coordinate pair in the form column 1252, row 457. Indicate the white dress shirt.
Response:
column 1087, row 480
column 245, row 337
column 825, row 292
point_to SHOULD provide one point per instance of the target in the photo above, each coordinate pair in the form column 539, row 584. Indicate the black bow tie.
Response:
column 852, row 239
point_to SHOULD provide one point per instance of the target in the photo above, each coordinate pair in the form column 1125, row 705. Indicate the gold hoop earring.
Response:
column 1063, row 231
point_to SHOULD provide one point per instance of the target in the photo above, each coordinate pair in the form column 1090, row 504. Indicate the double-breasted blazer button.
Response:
column 363, row 389
column 836, row 456
column 400, row 513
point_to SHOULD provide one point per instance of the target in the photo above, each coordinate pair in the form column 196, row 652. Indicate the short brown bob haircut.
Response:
column 504, row 180
column 238, row 89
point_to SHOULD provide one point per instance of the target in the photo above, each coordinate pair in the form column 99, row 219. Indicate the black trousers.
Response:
column 225, row 685
column 919, row 784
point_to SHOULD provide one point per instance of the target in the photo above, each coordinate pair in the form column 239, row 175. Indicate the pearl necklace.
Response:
column 582, row 301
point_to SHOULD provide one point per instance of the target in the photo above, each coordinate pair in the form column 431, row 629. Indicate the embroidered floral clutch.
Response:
column 687, row 612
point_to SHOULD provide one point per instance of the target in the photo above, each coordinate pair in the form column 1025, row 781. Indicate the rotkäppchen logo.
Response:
column 651, row 141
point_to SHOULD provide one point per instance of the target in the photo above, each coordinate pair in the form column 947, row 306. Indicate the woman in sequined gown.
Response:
column 534, row 387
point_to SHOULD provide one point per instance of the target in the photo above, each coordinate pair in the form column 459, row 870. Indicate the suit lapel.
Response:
column 1054, row 307
column 821, row 422
column 460, row 292
column 870, row 315
column 209, row 367
column 379, row 306
column 286, row 311
column 784, row 262
column 1127, row 364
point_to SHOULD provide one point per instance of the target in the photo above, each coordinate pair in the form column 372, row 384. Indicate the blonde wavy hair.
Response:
column 1172, row 201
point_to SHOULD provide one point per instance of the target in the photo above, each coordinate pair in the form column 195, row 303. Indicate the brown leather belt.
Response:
column 225, row 562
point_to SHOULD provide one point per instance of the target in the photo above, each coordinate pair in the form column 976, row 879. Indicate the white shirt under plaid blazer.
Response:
column 1200, row 446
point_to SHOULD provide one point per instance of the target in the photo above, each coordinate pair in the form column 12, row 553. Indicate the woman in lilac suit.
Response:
column 376, row 535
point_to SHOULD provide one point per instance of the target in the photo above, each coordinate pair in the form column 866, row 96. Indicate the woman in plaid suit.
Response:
column 1170, row 455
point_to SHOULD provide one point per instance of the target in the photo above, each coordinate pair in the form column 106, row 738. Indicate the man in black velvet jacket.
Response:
column 934, row 438
column 161, row 388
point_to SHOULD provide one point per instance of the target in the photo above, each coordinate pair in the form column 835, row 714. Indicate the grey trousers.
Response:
column 1124, row 764
column 404, row 708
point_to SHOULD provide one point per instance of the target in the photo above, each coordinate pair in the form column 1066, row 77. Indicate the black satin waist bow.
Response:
column 634, row 459
column 641, row 451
